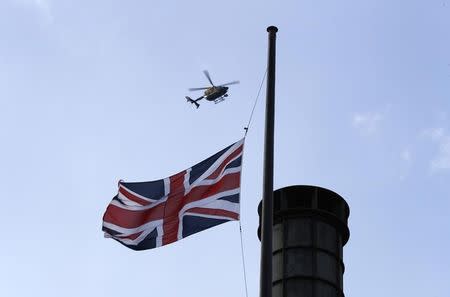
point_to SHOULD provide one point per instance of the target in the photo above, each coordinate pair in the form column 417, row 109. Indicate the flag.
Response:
column 145, row 215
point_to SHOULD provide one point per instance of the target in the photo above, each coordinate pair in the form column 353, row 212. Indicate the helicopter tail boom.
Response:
column 190, row 100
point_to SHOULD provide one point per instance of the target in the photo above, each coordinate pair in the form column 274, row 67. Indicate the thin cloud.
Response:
column 439, row 136
column 367, row 123
column 42, row 7
column 406, row 156
column 442, row 160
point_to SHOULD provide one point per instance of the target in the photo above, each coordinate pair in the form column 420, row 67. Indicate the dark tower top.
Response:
column 310, row 230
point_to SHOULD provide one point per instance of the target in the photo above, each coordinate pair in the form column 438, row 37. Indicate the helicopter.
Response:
column 213, row 93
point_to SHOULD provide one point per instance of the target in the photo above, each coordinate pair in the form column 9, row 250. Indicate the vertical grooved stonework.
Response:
column 309, row 232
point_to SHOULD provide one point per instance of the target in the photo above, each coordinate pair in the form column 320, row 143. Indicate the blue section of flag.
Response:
column 194, row 224
column 231, row 198
column 198, row 169
column 235, row 163
column 152, row 189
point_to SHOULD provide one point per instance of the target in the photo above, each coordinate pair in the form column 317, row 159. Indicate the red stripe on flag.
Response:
column 132, row 218
column 228, row 182
column 234, row 154
column 131, row 236
column 173, row 206
column 127, row 193
column 215, row 212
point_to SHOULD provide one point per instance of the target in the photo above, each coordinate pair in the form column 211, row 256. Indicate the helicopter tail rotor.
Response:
column 190, row 100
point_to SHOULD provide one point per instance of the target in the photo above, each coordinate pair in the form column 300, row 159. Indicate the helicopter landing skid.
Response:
column 218, row 100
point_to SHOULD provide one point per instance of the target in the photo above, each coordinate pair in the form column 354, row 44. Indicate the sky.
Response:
column 93, row 91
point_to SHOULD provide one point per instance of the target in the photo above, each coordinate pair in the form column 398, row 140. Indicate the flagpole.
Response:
column 267, row 204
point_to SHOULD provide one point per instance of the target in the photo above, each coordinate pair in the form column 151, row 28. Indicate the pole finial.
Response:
column 272, row 29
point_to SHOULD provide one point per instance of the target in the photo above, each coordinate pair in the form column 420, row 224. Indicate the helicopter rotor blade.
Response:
column 230, row 83
column 208, row 77
column 198, row 89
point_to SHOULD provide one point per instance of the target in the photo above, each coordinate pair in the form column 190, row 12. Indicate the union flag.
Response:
column 145, row 215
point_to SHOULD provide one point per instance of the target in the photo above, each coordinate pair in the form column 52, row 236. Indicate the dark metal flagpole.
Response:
column 267, row 205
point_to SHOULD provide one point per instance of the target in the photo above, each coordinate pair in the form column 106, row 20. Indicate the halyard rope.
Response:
column 254, row 105
column 240, row 225
column 243, row 260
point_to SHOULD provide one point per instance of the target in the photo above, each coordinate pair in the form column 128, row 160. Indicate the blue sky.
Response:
column 93, row 91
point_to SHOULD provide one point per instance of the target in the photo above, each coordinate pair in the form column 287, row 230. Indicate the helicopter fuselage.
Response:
column 213, row 93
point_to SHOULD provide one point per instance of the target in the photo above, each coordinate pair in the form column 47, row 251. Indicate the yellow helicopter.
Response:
column 213, row 93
